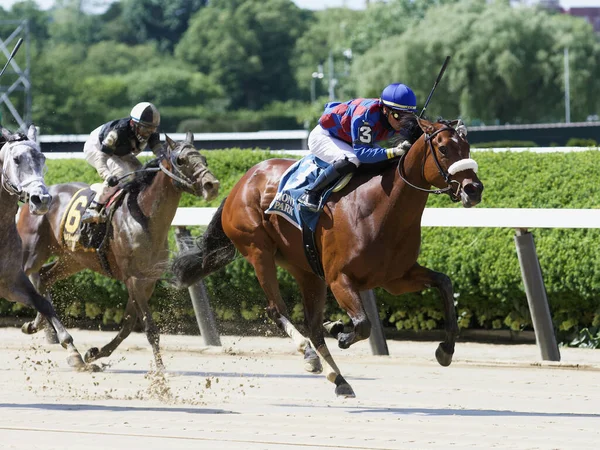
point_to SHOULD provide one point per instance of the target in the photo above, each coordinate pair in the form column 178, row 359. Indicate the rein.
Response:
column 176, row 174
column 452, row 192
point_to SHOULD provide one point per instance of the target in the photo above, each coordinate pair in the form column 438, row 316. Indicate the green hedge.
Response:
column 481, row 262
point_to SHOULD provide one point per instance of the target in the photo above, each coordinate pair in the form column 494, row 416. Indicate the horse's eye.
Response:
column 17, row 159
column 443, row 149
column 181, row 160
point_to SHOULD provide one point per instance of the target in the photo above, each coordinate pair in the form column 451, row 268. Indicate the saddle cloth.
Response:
column 80, row 236
column 294, row 182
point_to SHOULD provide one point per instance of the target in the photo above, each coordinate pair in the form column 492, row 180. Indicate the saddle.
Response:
column 89, row 237
column 294, row 182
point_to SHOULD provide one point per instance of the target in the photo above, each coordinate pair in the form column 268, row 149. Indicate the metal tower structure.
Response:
column 22, row 82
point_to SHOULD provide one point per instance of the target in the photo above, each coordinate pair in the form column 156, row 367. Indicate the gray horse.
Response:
column 22, row 171
column 137, row 253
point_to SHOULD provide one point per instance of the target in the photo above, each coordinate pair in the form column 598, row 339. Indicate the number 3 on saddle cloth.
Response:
column 294, row 182
column 86, row 236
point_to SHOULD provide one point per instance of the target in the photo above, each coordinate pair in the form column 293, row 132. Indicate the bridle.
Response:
column 453, row 186
column 177, row 175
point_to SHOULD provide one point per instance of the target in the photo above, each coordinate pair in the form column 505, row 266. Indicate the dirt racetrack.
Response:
column 253, row 394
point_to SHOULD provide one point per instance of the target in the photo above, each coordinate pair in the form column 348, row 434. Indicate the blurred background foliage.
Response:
column 481, row 262
column 243, row 65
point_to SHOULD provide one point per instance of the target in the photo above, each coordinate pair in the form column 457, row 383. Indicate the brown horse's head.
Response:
column 189, row 169
column 448, row 164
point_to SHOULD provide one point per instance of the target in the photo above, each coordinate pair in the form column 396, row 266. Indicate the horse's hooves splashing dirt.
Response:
column 28, row 328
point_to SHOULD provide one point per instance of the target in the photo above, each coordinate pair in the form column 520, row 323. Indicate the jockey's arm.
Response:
column 154, row 143
column 363, row 143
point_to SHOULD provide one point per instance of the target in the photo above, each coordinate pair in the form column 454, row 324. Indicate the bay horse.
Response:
column 368, row 236
column 138, row 252
column 22, row 166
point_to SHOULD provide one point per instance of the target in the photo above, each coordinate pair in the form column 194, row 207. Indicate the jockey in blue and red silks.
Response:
column 348, row 132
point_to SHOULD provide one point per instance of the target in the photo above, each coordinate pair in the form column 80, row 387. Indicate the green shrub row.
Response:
column 482, row 262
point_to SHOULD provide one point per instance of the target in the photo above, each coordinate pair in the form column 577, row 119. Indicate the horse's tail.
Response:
column 210, row 253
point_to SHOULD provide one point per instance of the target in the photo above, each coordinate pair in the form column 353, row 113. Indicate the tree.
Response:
column 163, row 21
column 245, row 46
column 507, row 63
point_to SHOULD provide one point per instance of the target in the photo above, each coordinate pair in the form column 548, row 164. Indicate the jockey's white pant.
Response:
column 324, row 146
column 107, row 165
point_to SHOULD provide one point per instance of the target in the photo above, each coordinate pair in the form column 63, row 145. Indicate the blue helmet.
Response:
column 399, row 97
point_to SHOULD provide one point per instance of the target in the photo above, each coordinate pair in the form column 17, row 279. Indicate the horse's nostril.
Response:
column 470, row 189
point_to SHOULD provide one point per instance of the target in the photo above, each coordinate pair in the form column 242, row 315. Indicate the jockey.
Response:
column 112, row 148
column 347, row 133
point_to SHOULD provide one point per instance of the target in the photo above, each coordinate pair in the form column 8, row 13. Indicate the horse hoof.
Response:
column 344, row 390
column 76, row 361
column 334, row 328
column 28, row 328
column 442, row 356
column 344, row 342
column 313, row 365
column 91, row 354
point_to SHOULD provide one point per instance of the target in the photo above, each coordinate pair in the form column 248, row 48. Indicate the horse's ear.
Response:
column 32, row 133
column 426, row 125
column 170, row 143
column 5, row 133
column 189, row 138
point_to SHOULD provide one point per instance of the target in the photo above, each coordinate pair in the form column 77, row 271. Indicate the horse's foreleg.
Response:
column 348, row 297
column 419, row 278
column 42, row 280
column 24, row 292
column 129, row 320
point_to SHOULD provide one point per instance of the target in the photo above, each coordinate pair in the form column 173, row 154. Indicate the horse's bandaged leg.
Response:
column 292, row 332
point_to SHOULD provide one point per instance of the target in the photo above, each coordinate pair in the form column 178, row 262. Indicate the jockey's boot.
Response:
column 311, row 198
column 94, row 213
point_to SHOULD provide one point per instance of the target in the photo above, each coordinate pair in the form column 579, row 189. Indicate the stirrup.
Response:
column 305, row 201
column 93, row 216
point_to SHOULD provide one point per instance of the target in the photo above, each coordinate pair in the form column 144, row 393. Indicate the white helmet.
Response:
column 146, row 119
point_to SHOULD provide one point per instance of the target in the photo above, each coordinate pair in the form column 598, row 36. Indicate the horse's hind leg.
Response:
column 24, row 292
column 419, row 278
column 314, row 292
column 265, row 269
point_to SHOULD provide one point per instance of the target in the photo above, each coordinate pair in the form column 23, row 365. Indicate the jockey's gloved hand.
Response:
column 399, row 150
column 112, row 181
column 405, row 145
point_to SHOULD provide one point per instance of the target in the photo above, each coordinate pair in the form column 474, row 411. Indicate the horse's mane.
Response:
column 143, row 178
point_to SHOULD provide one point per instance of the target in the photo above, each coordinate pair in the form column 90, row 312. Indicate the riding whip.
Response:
column 13, row 53
column 439, row 77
